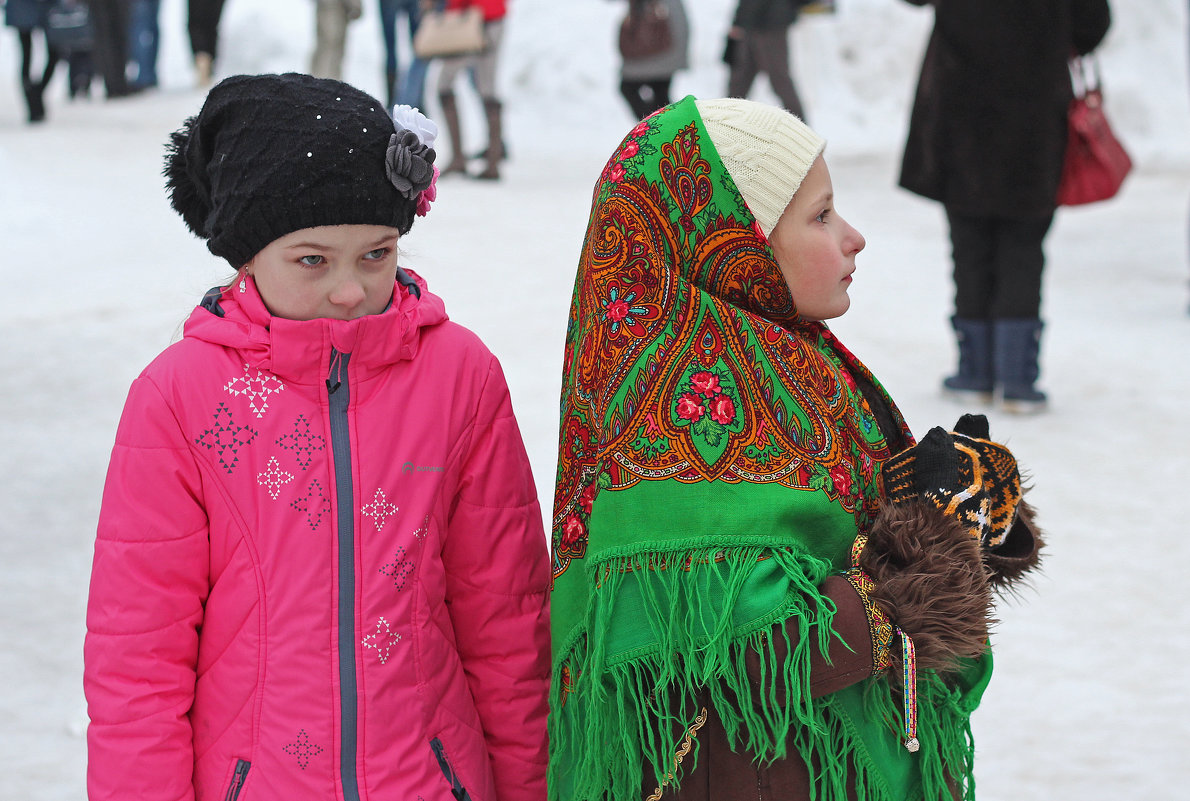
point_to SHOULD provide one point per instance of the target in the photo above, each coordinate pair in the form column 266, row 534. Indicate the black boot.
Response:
column 1017, row 345
column 495, row 152
column 34, row 100
column 974, row 379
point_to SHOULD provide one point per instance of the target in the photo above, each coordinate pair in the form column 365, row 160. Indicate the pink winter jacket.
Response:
column 320, row 571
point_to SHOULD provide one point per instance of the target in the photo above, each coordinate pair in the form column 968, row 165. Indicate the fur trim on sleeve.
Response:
column 931, row 580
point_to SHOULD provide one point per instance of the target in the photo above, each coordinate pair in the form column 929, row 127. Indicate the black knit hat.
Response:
column 272, row 154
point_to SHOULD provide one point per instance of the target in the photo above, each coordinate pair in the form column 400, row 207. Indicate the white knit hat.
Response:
column 767, row 152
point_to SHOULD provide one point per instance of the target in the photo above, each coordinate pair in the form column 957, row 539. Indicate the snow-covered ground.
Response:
column 1090, row 698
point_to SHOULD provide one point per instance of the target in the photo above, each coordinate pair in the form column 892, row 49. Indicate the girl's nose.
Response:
column 853, row 240
column 347, row 293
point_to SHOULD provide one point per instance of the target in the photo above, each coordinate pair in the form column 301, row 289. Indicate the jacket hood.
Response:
column 235, row 316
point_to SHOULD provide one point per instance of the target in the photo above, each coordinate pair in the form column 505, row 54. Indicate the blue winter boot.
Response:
column 974, row 379
column 1017, row 344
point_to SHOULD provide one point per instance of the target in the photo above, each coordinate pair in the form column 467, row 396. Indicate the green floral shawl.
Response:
column 716, row 462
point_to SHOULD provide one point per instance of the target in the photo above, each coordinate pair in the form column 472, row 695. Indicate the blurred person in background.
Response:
column 645, row 79
column 760, row 44
column 410, row 89
column 203, row 28
column 483, row 67
column 111, row 21
column 331, row 18
column 27, row 16
column 144, row 39
column 986, row 138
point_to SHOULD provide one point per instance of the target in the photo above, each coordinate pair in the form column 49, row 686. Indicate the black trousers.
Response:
column 51, row 59
column 203, row 26
column 109, row 21
column 645, row 97
column 997, row 266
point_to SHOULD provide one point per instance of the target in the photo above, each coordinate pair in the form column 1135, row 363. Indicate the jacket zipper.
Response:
column 338, row 397
column 237, row 780
column 456, row 787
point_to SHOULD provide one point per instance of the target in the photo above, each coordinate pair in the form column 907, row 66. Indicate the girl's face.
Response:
column 815, row 248
column 339, row 272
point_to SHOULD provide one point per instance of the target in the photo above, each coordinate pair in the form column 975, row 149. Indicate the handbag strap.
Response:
column 1084, row 74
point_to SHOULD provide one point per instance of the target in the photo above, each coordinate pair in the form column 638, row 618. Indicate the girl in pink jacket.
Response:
column 320, row 570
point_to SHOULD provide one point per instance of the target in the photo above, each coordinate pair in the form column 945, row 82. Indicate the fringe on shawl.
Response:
column 617, row 718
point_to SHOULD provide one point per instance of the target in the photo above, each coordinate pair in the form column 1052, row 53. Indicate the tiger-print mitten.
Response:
column 963, row 473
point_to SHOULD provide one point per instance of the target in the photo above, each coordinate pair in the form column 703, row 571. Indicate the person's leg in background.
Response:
column 743, row 66
column 485, row 66
column 144, row 36
column 203, row 28
column 973, row 251
column 449, row 69
column 388, row 30
column 330, row 39
column 1015, row 310
column 34, row 89
column 770, row 51
column 110, row 24
column 412, row 89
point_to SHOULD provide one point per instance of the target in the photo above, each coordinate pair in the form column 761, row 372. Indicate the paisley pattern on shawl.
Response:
column 716, row 461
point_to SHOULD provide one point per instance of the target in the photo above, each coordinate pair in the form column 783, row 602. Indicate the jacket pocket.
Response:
column 237, row 780
column 456, row 785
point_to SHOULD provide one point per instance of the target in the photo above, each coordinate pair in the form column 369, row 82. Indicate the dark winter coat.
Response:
column 766, row 15
column 988, row 129
column 25, row 15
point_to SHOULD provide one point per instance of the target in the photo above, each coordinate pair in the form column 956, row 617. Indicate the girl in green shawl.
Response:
column 747, row 544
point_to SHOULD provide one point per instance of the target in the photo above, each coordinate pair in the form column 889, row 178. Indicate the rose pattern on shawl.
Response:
column 841, row 479
column 574, row 537
column 690, row 407
column 722, row 409
column 708, row 407
column 707, row 384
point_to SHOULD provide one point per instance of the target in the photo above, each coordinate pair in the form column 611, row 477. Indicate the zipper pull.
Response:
column 335, row 373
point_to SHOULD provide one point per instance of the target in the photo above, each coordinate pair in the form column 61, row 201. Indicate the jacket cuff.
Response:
column 880, row 627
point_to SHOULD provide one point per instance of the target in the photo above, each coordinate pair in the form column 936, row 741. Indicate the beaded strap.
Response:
column 909, row 696
column 880, row 627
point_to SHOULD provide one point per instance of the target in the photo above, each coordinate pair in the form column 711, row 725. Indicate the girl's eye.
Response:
column 823, row 215
column 376, row 255
column 311, row 261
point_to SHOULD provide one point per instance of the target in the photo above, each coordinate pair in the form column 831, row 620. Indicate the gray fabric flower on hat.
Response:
column 408, row 162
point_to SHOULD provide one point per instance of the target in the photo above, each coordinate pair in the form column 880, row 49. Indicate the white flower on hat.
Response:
column 411, row 119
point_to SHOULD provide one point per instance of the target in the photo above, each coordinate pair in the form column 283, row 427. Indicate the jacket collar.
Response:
column 300, row 350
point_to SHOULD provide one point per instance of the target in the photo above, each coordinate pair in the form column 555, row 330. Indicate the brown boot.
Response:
column 450, row 112
column 495, row 153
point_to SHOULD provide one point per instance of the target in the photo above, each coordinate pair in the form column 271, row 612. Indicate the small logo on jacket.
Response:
column 410, row 467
